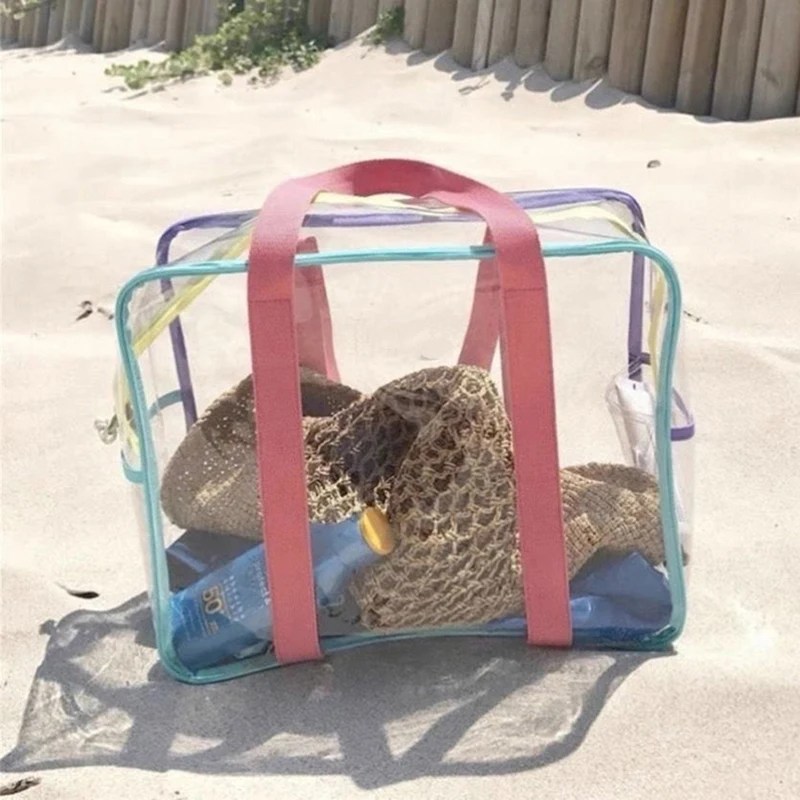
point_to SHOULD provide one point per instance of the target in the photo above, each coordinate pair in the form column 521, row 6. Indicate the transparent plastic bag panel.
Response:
column 645, row 367
column 683, row 455
column 409, row 461
column 146, row 540
column 683, row 429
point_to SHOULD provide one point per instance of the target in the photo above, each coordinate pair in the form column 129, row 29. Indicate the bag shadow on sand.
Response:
column 381, row 715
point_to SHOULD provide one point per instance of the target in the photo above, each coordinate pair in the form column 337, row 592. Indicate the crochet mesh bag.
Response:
column 433, row 450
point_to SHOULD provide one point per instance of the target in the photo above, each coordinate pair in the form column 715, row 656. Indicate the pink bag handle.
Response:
column 527, row 376
column 483, row 329
column 314, row 329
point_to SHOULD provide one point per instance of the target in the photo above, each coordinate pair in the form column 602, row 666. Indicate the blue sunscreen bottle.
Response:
column 227, row 614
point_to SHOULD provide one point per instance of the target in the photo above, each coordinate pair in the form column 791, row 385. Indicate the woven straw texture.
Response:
column 432, row 450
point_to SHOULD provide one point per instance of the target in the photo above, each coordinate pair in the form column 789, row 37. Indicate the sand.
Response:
column 91, row 175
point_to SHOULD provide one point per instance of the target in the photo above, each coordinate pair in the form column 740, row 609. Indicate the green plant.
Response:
column 17, row 9
column 389, row 26
column 264, row 37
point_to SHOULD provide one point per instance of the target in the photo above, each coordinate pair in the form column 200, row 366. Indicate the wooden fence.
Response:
column 731, row 59
column 109, row 25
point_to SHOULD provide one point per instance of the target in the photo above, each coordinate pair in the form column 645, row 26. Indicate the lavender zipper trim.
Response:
column 527, row 200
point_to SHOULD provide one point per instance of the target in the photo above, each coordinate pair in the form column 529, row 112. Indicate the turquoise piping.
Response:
column 169, row 399
column 131, row 473
column 160, row 595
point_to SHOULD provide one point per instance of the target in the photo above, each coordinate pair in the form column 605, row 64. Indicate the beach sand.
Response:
column 91, row 176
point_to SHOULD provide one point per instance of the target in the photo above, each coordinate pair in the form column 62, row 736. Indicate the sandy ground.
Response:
column 91, row 176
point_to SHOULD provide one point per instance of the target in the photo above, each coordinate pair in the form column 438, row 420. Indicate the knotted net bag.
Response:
column 433, row 451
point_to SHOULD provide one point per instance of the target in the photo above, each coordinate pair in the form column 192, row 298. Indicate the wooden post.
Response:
column 629, row 45
column 117, row 27
column 26, row 25
column 464, row 32
column 88, row 13
column 139, row 17
column 340, row 20
column 416, row 18
column 504, row 30
column 99, row 24
column 664, row 46
column 157, row 21
column 11, row 33
column 192, row 22
column 440, row 25
column 778, row 64
column 736, row 64
column 72, row 17
column 483, row 34
column 594, row 39
column 173, row 35
column 699, row 58
column 7, row 33
column 562, row 33
column 534, row 19
column 365, row 14
column 41, row 19
column 55, row 24
column 210, row 17
column 319, row 14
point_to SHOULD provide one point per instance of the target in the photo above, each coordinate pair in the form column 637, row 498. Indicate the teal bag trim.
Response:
column 165, row 401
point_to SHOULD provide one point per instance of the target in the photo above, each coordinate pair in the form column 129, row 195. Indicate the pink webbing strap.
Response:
column 483, row 330
column 313, row 317
column 527, row 371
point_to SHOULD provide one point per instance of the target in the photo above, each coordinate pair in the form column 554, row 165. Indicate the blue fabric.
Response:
column 619, row 599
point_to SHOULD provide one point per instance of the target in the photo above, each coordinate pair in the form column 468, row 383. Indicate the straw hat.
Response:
column 432, row 450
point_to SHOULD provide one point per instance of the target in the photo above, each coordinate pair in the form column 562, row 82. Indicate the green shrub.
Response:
column 261, row 39
column 17, row 9
column 389, row 26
